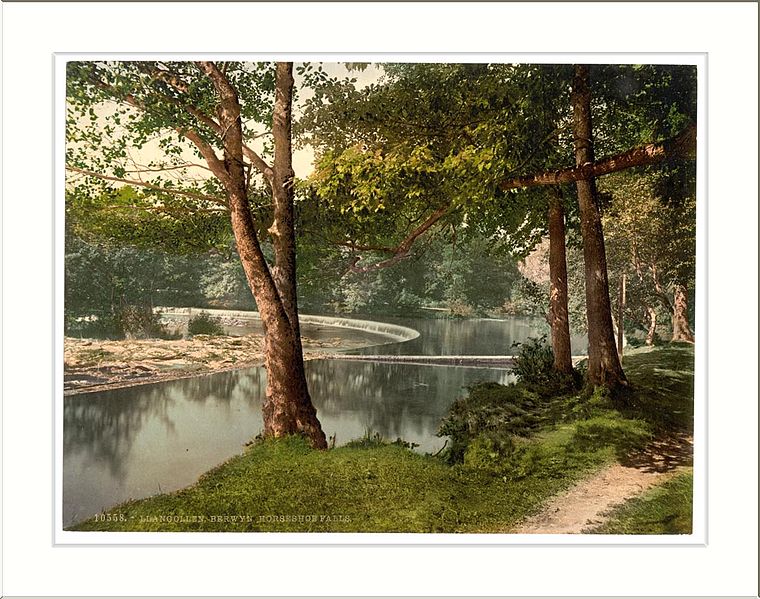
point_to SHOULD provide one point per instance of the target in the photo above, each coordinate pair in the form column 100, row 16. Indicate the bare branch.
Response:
column 170, row 209
column 166, row 168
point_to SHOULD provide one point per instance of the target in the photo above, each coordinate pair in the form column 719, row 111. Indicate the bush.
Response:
column 205, row 324
column 490, row 409
column 534, row 368
column 140, row 322
column 489, row 452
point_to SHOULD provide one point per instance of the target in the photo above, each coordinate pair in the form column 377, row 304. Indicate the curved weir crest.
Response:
column 394, row 331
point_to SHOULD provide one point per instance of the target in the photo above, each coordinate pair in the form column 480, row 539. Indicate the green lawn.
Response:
column 283, row 485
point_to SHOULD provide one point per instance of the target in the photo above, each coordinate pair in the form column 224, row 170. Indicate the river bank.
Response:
column 371, row 485
column 92, row 365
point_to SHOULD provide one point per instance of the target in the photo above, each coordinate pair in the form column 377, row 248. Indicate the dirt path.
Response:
column 584, row 505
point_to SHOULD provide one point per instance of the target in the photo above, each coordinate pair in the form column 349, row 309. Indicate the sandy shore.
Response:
column 95, row 365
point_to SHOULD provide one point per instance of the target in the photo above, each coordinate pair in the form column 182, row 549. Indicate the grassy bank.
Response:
column 666, row 509
column 370, row 486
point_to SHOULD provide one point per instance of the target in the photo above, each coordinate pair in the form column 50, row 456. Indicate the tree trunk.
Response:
column 558, row 312
column 604, row 364
column 652, row 331
column 681, row 329
column 621, row 313
column 288, row 408
column 282, row 231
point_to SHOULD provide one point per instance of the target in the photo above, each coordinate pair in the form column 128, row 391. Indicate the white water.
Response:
column 393, row 331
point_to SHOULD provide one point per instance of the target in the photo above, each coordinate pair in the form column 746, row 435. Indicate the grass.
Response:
column 663, row 381
column 374, row 486
column 664, row 510
column 283, row 485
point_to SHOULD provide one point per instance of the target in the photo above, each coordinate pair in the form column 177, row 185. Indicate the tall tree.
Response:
column 208, row 106
column 604, row 366
column 425, row 126
column 559, row 318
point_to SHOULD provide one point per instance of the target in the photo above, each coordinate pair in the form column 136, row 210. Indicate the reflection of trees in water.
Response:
column 465, row 337
column 392, row 399
column 105, row 425
column 220, row 387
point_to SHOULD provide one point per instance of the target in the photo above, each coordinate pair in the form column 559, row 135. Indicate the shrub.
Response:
column 534, row 368
column 495, row 410
column 138, row 322
column 204, row 324
column 489, row 452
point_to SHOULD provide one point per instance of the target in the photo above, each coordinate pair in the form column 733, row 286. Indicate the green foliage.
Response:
column 468, row 276
column 153, row 221
column 485, row 427
column 493, row 410
column 488, row 451
column 663, row 510
column 650, row 235
column 140, row 322
column 534, row 368
column 204, row 324
column 125, row 321
column 374, row 440
column 429, row 136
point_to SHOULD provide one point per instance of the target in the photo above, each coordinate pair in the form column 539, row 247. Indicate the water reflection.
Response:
column 474, row 337
column 135, row 442
column 132, row 443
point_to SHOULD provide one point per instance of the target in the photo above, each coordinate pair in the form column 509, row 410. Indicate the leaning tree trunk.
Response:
column 681, row 329
column 288, row 408
column 604, row 364
column 558, row 312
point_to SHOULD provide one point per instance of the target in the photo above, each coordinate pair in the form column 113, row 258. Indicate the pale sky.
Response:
column 302, row 158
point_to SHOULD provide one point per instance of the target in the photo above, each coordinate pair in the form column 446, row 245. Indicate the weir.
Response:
column 392, row 331
column 464, row 360
column 473, row 361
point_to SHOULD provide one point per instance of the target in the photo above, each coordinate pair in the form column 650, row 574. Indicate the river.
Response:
column 132, row 443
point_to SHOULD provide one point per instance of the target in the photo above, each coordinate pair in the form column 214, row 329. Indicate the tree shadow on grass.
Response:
column 663, row 454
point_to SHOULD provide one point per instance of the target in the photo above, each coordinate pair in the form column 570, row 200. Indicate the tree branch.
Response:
column 402, row 250
column 178, row 84
column 682, row 146
column 166, row 168
column 189, row 194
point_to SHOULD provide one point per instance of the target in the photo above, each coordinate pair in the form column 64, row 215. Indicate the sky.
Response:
column 303, row 158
